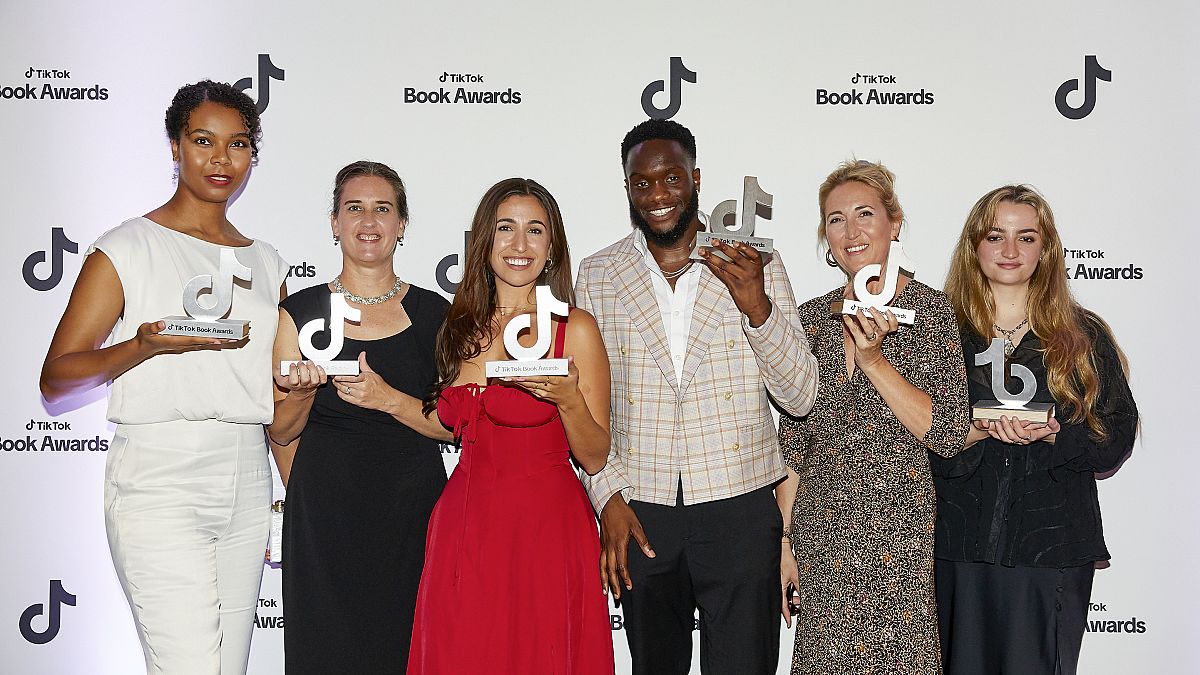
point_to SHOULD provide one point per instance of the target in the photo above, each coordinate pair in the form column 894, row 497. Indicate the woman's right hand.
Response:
column 789, row 578
column 151, row 342
column 302, row 379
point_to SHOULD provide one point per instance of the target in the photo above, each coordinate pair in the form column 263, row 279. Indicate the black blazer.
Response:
column 1033, row 505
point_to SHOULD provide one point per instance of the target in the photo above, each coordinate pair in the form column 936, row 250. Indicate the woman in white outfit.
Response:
column 187, row 483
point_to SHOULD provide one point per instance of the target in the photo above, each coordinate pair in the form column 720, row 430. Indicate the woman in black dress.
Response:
column 360, row 461
column 1018, row 521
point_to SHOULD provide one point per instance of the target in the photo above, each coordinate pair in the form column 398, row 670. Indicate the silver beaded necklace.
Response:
column 337, row 286
column 681, row 270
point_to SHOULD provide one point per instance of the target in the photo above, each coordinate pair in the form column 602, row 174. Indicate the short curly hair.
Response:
column 665, row 130
column 190, row 96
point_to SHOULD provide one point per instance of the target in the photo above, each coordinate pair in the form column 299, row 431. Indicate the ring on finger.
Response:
column 872, row 336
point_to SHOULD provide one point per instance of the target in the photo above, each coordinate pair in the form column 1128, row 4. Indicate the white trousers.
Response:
column 187, row 510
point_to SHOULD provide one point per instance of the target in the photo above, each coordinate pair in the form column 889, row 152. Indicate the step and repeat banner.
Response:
column 1095, row 104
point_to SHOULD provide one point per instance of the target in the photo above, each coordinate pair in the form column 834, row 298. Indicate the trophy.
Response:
column 204, row 321
column 339, row 313
column 529, row 359
column 1013, row 406
column 877, row 302
column 755, row 202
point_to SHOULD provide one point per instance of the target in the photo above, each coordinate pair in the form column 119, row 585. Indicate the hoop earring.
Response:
column 549, row 265
column 829, row 260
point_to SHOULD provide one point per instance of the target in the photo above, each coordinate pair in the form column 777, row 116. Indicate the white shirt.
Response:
column 232, row 385
column 674, row 304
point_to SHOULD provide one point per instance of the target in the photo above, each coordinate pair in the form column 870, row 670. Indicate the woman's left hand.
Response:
column 365, row 390
column 867, row 332
column 558, row 389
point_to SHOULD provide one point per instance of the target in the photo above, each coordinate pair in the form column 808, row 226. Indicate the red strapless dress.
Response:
column 511, row 581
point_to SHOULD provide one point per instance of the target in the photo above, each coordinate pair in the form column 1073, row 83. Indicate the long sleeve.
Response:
column 781, row 349
column 941, row 372
column 1074, row 446
column 612, row 478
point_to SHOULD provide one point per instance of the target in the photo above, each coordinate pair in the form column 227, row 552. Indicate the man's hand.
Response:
column 617, row 524
column 743, row 277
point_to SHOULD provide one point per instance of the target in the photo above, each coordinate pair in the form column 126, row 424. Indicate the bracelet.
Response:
column 787, row 534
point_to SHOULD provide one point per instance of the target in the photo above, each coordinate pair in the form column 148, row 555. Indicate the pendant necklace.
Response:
column 1009, row 347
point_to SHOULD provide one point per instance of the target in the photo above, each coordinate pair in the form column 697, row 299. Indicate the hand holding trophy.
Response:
column 207, row 321
column 340, row 312
column 864, row 299
column 755, row 202
column 529, row 361
column 1014, row 406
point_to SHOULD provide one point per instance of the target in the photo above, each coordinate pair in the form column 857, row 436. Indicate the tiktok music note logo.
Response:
column 1006, row 404
column 679, row 73
column 59, row 243
column 221, row 291
column 889, row 275
column 1092, row 71
column 529, row 359
column 756, row 203
column 453, row 260
column 58, row 597
column 267, row 71
column 340, row 312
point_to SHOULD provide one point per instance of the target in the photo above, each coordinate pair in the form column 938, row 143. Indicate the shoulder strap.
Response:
column 560, row 336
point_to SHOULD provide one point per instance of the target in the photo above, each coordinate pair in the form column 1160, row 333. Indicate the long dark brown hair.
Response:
column 1054, row 315
column 471, row 323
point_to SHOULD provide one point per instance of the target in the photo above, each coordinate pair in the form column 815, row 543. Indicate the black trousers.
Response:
column 997, row 620
column 721, row 557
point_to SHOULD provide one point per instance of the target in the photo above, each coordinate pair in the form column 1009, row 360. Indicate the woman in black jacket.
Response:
column 1018, row 523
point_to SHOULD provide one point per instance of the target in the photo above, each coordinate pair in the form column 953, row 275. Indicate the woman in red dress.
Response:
column 511, row 582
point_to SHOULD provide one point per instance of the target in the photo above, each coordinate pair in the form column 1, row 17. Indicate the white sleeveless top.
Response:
column 231, row 385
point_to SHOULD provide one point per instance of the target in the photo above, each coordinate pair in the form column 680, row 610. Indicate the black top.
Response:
column 361, row 490
column 404, row 361
column 1034, row 505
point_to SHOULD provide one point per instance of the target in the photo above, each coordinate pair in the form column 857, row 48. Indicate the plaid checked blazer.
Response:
column 714, row 428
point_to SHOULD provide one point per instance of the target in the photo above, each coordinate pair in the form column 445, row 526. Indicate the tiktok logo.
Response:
column 266, row 72
column 58, row 597
column 1092, row 71
column 58, row 243
column 452, row 260
column 679, row 73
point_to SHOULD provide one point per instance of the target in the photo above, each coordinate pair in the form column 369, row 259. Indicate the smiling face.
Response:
column 213, row 152
column 664, row 190
column 367, row 220
column 522, row 241
column 857, row 226
column 1009, row 252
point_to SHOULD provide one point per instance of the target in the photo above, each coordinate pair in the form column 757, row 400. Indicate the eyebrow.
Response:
column 212, row 133
column 510, row 220
column 359, row 201
column 1028, row 229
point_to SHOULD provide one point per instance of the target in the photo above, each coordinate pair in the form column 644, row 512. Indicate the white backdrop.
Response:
column 1119, row 181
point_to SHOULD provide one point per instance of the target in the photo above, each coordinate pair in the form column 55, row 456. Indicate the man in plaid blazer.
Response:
column 694, row 350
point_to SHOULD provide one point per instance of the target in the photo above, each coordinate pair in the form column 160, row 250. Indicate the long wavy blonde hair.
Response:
column 1054, row 315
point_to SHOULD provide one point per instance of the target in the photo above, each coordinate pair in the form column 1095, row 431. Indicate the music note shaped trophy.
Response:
column 529, row 359
column 897, row 260
column 340, row 312
column 755, row 202
column 1008, row 405
column 209, row 321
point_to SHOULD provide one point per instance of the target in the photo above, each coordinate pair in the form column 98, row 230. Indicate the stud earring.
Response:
column 336, row 240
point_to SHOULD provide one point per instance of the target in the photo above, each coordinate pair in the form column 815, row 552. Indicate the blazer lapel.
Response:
column 712, row 303
column 631, row 281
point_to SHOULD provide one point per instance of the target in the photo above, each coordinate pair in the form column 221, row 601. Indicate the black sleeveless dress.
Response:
column 359, row 497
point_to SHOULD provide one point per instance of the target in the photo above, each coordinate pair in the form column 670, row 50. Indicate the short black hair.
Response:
column 664, row 130
column 190, row 96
